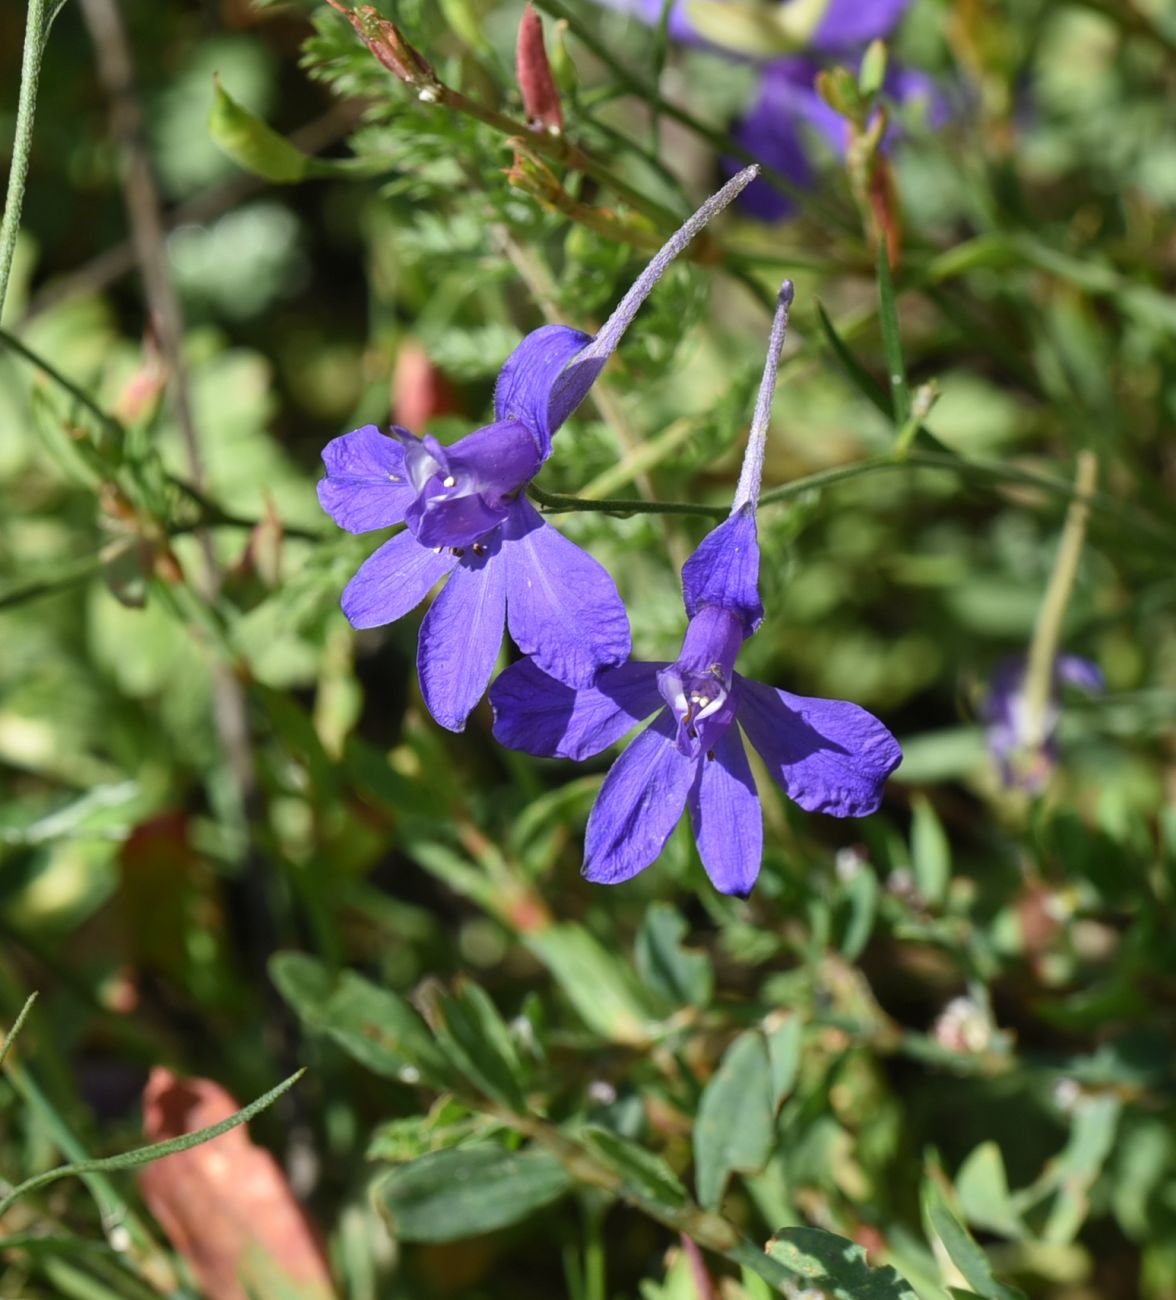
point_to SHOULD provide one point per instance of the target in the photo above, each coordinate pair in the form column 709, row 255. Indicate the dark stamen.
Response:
column 479, row 549
column 710, row 753
column 459, row 551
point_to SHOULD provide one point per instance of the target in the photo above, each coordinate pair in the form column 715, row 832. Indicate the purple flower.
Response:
column 788, row 116
column 1023, row 760
column 827, row 755
column 467, row 519
column 842, row 24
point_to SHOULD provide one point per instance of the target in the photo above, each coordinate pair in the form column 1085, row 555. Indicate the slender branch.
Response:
column 107, row 421
column 1047, row 634
column 18, row 1025
column 22, row 144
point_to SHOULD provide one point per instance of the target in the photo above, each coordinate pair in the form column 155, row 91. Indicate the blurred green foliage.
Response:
column 933, row 1053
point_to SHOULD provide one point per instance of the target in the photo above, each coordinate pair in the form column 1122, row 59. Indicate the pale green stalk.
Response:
column 1047, row 634
column 22, row 143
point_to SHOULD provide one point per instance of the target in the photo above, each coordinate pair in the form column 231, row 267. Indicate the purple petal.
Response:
column 366, row 485
column 562, row 607
column 459, row 522
column 776, row 130
column 848, row 23
column 1083, row 673
column 829, row 756
column 460, row 640
column 497, row 459
column 527, row 380
column 724, row 571
column 725, row 811
column 638, row 806
column 535, row 713
column 393, row 580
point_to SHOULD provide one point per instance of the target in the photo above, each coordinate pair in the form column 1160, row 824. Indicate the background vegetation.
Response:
column 232, row 842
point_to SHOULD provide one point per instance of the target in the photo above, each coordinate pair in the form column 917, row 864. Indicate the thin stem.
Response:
column 11, row 1036
column 1047, row 634
column 30, row 74
column 751, row 474
column 108, row 422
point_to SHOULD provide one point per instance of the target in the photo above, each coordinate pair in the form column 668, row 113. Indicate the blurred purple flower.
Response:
column 787, row 115
column 467, row 519
column 827, row 755
column 1007, row 725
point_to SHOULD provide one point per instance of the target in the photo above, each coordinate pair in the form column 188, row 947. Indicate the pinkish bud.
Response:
column 540, row 97
column 420, row 392
column 386, row 43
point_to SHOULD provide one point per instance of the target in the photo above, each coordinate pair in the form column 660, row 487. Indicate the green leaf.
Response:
column 465, row 1191
column 872, row 73
column 596, row 981
column 784, row 1046
column 736, row 1119
column 373, row 1025
column 965, row 1254
column 862, row 892
column 646, row 1176
column 930, row 851
column 983, row 1189
column 892, row 339
column 155, row 1151
column 470, row 1032
column 836, row 1266
column 18, row 1025
column 857, row 373
column 679, row 976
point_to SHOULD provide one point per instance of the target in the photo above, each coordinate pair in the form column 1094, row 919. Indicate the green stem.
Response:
column 10, row 1037
column 30, row 73
column 993, row 471
column 1047, row 634
column 67, row 385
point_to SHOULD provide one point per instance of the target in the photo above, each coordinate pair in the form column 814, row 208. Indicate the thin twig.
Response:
column 22, row 144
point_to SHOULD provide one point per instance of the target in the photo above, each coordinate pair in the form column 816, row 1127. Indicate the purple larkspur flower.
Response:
column 789, row 117
column 836, row 26
column 467, row 520
column 828, row 755
column 1022, row 762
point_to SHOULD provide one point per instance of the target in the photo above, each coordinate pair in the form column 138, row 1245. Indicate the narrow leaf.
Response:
column 857, row 373
column 646, row 1176
column 10, row 1037
column 892, row 340
column 965, row 1254
column 155, row 1151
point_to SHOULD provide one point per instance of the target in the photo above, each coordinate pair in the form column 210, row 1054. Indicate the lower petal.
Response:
column 829, row 756
column 393, row 580
column 539, row 715
column 562, row 607
column 460, row 640
column 725, row 812
column 638, row 806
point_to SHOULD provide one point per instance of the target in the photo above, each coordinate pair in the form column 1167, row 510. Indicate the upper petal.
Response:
column 393, row 580
column 857, row 22
column 562, row 607
column 366, row 485
column 1083, row 673
column 725, row 812
column 724, row 570
column 535, row 713
column 829, row 756
column 460, row 640
column 497, row 459
column 527, row 380
column 638, row 806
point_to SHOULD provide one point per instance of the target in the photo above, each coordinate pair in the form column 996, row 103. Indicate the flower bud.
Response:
column 540, row 96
